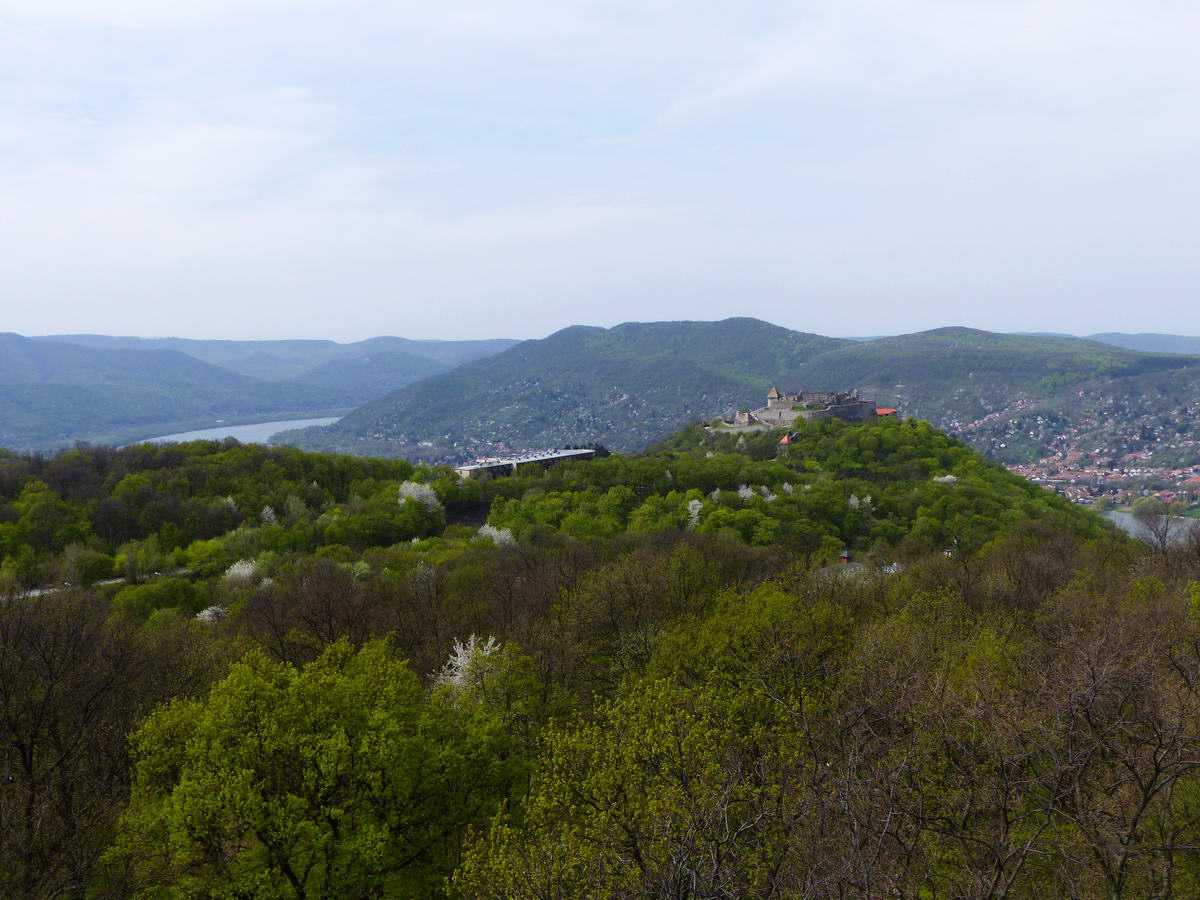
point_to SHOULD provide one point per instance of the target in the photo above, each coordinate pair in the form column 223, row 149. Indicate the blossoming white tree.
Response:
column 210, row 615
column 469, row 664
column 241, row 573
column 422, row 493
column 501, row 537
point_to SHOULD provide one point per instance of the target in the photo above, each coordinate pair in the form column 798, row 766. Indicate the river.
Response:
column 1128, row 523
column 258, row 433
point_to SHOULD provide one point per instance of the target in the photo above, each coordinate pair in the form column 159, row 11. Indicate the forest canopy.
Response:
column 863, row 664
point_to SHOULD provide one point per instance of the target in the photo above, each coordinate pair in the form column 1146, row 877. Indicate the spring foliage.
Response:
column 636, row 680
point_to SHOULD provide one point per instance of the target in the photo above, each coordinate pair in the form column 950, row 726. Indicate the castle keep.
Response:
column 783, row 410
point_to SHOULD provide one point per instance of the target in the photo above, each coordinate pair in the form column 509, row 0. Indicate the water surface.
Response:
column 258, row 433
column 1130, row 524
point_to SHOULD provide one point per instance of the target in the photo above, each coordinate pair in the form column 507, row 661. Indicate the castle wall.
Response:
column 780, row 412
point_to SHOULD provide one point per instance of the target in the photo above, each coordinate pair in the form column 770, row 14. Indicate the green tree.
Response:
column 340, row 779
column 672, row 792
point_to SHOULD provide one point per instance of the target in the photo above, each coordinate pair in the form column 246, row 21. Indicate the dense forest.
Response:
column 866, row 663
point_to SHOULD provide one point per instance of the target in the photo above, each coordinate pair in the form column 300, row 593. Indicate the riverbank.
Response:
column 252, row 433
column 1131, row 525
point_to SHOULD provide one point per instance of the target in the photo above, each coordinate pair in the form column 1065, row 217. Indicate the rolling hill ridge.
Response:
column 52, row 394
column 626, row 386
column 364, row 370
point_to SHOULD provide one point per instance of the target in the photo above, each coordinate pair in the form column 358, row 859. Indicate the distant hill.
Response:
column 954, row 374
column 373, row 375
column 55, row 393
column 391, row 362
column 627, row 386
column 1011, row 394
column 1150, row 343
column 624, row 386
column 1146, row 342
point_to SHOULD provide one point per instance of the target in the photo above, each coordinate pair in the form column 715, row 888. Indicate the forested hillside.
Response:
column 57, row 390
column 625, row 386
column 647, row 676
column 364, row 369
column 1012, row 396
column 52, row 394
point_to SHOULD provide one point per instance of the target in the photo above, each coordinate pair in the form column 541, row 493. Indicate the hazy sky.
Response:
column 347, row 168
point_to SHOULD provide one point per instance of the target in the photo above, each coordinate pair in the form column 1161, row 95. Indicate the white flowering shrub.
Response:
column 745, row 491
column 501, row 537
column 945, row 479
column 241, row 573
column 854, row 502
column 693, row 509
column 268, row 516
column 231, row 503
column 422, row 493
column 788, row 489
column 469, row 664
column 210, row 615
column 715, row 496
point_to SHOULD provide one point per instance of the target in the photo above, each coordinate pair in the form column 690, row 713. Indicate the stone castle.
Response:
column 783, row 410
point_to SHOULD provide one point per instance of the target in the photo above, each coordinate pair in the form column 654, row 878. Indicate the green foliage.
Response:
column 657, row 689
column 140, row 601
column 858, row 485
column 662, row 795
column 341, row 779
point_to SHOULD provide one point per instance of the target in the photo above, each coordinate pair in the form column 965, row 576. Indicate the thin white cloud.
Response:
column 203, row 157
column 138, row 14
column 271, row 165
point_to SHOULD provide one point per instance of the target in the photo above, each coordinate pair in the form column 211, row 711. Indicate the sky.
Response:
column 348, row 168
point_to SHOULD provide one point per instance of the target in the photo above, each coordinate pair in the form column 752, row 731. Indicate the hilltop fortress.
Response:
column 783, row 410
